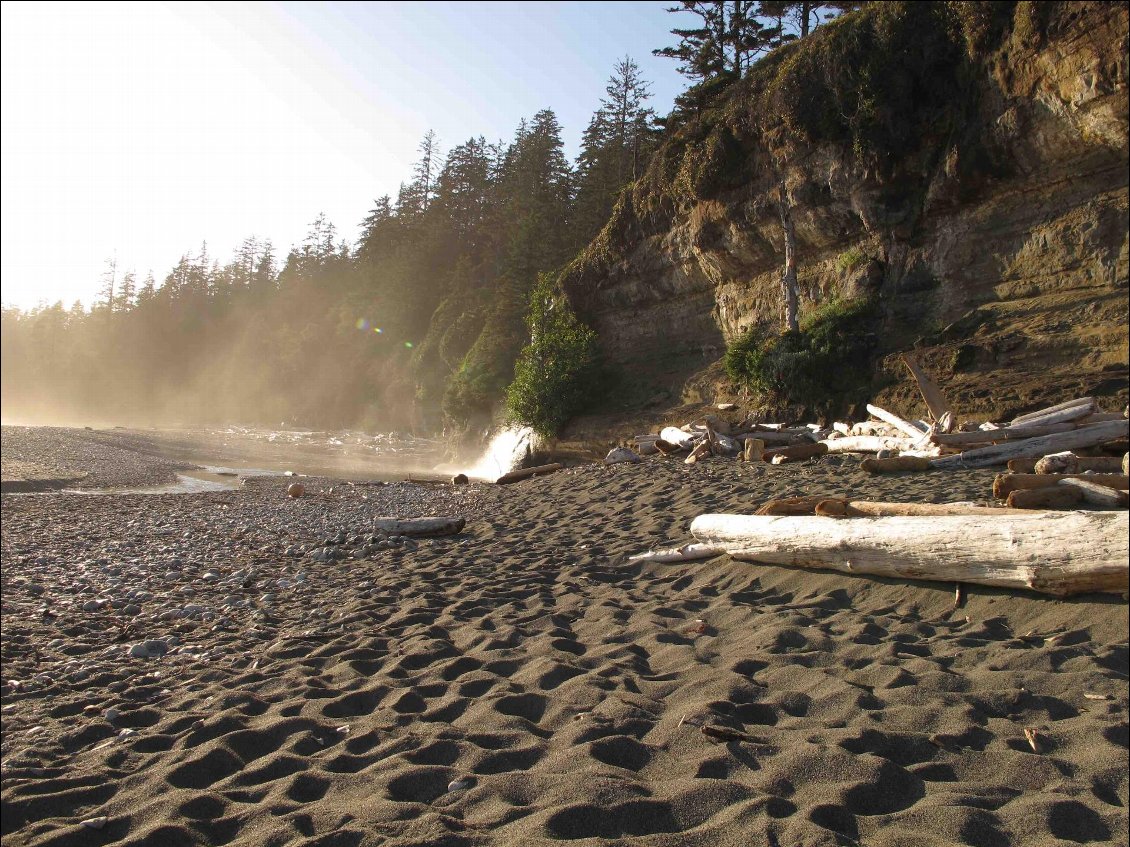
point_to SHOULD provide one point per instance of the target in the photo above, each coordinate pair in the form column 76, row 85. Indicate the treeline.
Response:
column 415, row 325
column 419, row 324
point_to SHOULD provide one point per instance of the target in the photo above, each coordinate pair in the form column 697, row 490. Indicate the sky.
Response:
column 138, row 131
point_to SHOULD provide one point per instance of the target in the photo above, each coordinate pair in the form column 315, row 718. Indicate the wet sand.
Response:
column 298, row 680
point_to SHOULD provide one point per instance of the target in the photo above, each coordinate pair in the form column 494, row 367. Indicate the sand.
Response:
column 522, row 684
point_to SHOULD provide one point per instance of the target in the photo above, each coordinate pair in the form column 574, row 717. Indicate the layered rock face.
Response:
column 998, row 247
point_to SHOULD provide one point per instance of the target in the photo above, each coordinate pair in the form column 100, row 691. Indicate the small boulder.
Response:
column 295, row 489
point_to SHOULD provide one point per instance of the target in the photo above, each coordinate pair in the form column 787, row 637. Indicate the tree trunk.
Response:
column 788, row 279
column 1059, row 554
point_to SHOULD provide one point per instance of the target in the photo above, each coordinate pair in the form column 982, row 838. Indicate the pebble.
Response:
column 95, row 823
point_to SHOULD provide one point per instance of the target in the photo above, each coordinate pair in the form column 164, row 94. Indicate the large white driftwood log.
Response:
column 1078, row 408
column 997, row 436
column 1053, row 553
column 895, row 421
column 419, row 526
column 999, row 454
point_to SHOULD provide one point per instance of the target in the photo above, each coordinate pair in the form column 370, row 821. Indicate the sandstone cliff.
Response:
column 967, row 163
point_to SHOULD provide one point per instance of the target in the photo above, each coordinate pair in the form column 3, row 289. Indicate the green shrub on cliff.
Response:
column 825, row 365
column 557, row 373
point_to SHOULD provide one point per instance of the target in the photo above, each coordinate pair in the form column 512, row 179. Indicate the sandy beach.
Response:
column 238, row 667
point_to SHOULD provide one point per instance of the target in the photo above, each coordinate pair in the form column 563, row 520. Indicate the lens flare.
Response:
column 408, row 344
column 363, row 324
column 377, row 330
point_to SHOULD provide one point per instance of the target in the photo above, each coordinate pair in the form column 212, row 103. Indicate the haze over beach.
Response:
column 470, row 424
column 152, row 129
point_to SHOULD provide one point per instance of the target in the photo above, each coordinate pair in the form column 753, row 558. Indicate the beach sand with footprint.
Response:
column 523, row 684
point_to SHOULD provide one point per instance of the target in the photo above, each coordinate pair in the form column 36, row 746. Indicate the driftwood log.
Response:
column 869, row 443
column 792, row 505
column 796, row 452
column 686, row 553
column 1006, row 483
column 1070, row 463
column 1067, row 411
column 1053, row 497
column 1058, row 554
column 997, row 436
column 526, row 473
column 875, row 509
column 430, row 526
column 935, row 402
column 1099, row 496
column 753, row 449
column 999, row 454
column 897, row 422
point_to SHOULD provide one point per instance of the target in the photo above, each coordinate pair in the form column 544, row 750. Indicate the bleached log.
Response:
column 1096, row 495
column 875, row 428
column 876, row 509
column 686, row 553
column 667, row 448
column 1022, row 465
column 895, row 421
column 999, row 454
column 1068, row 462
column 429, row 526
column 1007, row 482
column 869, row 443
column 1058, row 554
column 935, row 402
column 676, row 436
column 526, row 473
column 998, row 436
column 647, row 448
column 895, row 464
column 1074, row 409
column 842, row 428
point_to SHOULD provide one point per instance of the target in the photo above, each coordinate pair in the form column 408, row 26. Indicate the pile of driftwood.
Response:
column 894, row 444
column 1053, row 552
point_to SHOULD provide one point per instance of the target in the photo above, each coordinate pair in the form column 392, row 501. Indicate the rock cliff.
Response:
column 966, row 163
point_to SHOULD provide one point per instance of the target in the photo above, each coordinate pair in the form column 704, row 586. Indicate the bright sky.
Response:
column 143, row 129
